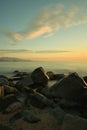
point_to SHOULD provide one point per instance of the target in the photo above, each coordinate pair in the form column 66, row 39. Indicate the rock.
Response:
column 85, row 78
column 74, row 123
column 44, row 91
column 22, row 97
column 15, row 117
column 71, row 87
column 13, row 107
column 59, row 76
column 53, row 76
column 58, row 114
column 26, row 81
column 19, row 74
column 40, row 101
column 8, row 89
column 4, row 81
column 6, row 101
column 30, row 118
column 1, row 91
column 50, row 75
column 5, row 127
column 39, row 76
column 68, row 104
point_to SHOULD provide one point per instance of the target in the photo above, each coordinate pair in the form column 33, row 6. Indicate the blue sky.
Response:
column 43, row 29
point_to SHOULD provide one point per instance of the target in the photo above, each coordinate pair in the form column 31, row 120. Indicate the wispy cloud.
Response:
column 33, row 51
column 49, row 20
column 15, row 36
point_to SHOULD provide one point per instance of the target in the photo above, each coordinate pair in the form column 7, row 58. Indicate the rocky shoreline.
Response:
column 26, row 98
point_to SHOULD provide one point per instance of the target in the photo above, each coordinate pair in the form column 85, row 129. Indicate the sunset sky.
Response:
column 51, row 30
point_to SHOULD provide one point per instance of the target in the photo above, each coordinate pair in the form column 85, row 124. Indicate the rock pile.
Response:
column 65, row 100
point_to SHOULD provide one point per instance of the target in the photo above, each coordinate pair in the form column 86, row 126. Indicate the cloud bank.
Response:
column 32, row 51
column 48, row 21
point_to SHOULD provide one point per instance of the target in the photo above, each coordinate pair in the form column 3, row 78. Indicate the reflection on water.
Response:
column 56, row 67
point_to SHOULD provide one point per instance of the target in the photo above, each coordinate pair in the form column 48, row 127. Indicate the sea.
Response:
column 7, row 68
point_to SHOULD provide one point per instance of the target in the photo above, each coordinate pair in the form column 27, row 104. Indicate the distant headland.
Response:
column 13, row 59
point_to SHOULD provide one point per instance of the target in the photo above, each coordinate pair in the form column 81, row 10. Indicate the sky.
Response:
column 44, row 30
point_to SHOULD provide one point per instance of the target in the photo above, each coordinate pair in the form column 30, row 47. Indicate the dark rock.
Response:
column 85, row 78
column 59, row 76
column 39, row 76
column 50, row 75
column 53, row 76
column 69, row 104
column 15, row 117
column 44, row 91
column 6, row 101
column 13, row 107
column 58, row 114
column 72, row 87
column 1, row 91
column 9, row 90
column 5, row 127
column 40, row 101
column 19, row 74
column 30, row 118
column 26, row 81
column 4, row 81
column 74, row 123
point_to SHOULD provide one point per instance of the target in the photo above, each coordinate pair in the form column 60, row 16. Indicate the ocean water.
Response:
column 7, row 68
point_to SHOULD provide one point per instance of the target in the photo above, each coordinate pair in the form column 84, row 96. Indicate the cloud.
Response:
column 52, row 51
column 38, row 32
column 33, row 51
column 16, row 51
column 15, row 36
column 54, row 18
column 49, row 20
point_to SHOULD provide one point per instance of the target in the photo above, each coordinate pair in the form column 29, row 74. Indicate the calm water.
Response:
column 57, row 67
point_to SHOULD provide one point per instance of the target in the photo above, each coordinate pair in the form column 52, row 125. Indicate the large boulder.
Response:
column 72, row 88
column 39, row 76
column 74, row 123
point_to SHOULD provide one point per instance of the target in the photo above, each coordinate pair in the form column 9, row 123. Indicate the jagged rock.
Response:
column 50, row 75
column 30, row 118
column 69, row 104
column 53, row 76
column 85, row 78
column 40, row 101
column 59, row 76
column 39, row 76
column 8, row 89
column 22, row 97
column 71, row 87
column 6, row 101
column 4, row 81
column 5, row 127
column 19, row 74
column 11, row 83
column 13, row 107
column 74, row 123
column 26, row 81
column 44, row 91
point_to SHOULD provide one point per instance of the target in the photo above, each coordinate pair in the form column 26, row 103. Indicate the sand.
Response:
column 47, row 121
